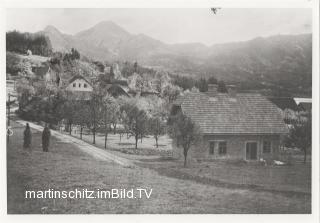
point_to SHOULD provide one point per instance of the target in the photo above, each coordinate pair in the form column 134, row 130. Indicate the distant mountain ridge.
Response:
column 284, row 60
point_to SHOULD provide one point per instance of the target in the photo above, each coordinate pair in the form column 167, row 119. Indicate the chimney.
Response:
column 232, row 90
column 212, row 90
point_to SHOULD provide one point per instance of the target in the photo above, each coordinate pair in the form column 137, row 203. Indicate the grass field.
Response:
column 65, row 167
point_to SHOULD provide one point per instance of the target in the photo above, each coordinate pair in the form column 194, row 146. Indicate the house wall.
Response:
column 77, row 88
column 236, row 147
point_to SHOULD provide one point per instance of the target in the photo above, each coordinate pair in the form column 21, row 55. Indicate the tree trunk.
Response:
column 157, row 142
column 114, row 128
column 120, row 136
column 81, row 132
column 185, row 153
column 105, row 139
column 94, row 136
column 137, row 138
column 70, row 128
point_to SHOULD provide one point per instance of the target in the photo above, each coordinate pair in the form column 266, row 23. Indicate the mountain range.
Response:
column 282, row 60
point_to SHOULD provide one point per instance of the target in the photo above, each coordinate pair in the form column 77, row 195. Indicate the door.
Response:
column 251, row 150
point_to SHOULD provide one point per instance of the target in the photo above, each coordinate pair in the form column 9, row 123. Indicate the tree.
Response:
column 135, row 65
column 171, row 92
column 214, row 10
column 184, row 131
column 107, row 113
column 156, row 128
column 95, row 112
column 136, row 120
column 114, row 115
column 212, row 80
column 82, row 114
column 202, row 85
column 69, row 109
column 222, row 87
column 301, row 133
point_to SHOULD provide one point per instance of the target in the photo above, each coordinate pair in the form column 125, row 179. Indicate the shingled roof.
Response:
column 245, row 113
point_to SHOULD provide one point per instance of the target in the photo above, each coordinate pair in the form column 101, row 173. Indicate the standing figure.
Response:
column 45, row 138
column 27, row 137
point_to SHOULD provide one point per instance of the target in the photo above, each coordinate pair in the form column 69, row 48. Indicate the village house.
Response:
column 79, row 84
column 79, row 87
column 232, row 125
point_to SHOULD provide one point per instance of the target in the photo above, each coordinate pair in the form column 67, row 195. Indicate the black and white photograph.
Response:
column 198, row 110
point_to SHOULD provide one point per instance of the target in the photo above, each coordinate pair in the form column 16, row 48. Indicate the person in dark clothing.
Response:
column 27, row 137
column 46, row 138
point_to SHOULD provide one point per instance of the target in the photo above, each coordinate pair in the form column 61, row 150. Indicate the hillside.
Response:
column 282, row 62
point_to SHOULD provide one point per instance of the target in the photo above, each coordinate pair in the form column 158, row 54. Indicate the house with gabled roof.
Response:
column 79, row 83
column 232, row 125
column 79, row 87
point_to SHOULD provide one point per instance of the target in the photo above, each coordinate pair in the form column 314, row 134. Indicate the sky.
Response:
column 171, row 25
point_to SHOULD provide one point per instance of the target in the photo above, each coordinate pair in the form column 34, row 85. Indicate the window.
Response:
column 85, row 85
column 79, row 84
column 222, row 148
column 74, row 85
column 266, row 147
column 211, row 147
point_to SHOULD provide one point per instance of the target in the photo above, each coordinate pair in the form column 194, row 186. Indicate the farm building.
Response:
column 232, row 125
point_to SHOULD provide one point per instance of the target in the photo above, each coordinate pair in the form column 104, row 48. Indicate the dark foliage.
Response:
column 22, row 42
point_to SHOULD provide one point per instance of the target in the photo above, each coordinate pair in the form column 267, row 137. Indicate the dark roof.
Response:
column 285, row 103
column 246, row 113
column 75, row 77
column 116, row 90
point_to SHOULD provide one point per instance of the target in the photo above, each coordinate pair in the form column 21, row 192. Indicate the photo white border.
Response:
column 314, row 4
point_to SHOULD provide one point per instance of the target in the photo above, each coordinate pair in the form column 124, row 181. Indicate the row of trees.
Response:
column 101, row 113
column 19, row 42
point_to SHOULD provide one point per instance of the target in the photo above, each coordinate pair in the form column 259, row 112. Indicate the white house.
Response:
column 79, row 84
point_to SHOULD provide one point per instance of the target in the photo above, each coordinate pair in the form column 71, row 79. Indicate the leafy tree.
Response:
column 212, row 80
column 156, row 128
column 222, row 87
column 301, row 133
column 136, row 120
column 114, row 115
column 82, row 114
column 171, row 92
column 107, row 115
column 95, row 103
column 184, row 131
column 135, row 65
column 202, row 85
column 69, row 113
column 18, row 42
